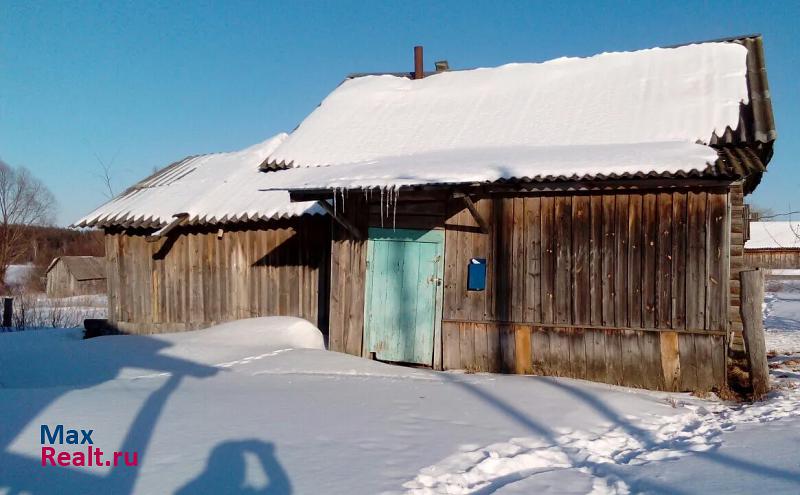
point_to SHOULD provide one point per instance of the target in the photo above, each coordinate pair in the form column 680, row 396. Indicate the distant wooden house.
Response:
column 76, row 276
column 774, row 246
column 198, row 243
column 578, row 217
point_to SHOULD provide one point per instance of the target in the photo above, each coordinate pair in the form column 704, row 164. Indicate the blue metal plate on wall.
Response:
column 476, row 274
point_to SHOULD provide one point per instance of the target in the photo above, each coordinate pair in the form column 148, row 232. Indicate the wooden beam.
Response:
column 344, row 222
column 179, row 218
column 484, row 225
column 752, row 320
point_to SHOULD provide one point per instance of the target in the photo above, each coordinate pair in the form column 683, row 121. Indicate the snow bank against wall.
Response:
column 57, row 352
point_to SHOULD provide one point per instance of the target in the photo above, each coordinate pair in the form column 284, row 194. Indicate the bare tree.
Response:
column 24, row 201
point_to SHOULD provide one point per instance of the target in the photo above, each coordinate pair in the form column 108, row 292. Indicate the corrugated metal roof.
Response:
column 570, row 164
column 217, row 188
column 82, row 267
column 384, row 131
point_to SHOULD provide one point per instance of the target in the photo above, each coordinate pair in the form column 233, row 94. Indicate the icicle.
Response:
column 334, row 201
column 381, row 207
column 394, row 211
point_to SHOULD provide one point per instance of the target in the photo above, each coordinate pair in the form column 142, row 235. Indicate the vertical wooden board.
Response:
column 577, row 352
column 559, row 352
column 255, row 279
column 493, row 347
column 596, row 260
column 670, row 360
column 336, row 327
column 620, row 290
column 481, row 346
column 486, row 208
column 293, row 280
column 467, row 346
column 688, row 362
column 614, row 365
column 664, row 263
column 596, row 355
column 719, row 366
column 581, row 254
column 649, row 259
column 451, row 346
column 650, row 347
column 451, row 269
column 507, row 348
column 548, row 259
column 540, row 351
column 354, row 338
column 464, row 251
column 502, row 261
column 696, row 262
column 703, row 345
column 680, row 236
column 518, row 265
column 634, row 285
column 608, row 253
column 717, row 252
column 533, row 260
column 563, row 285
column 632, row 366
column 196, row 282
column 522, row 350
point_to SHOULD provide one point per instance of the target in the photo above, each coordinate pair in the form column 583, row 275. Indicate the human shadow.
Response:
column 598, row 469
column 649, row 441
column 226, row 471
column 29, row 392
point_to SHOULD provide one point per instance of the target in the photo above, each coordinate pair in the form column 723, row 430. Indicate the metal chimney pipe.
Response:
column 419, row 71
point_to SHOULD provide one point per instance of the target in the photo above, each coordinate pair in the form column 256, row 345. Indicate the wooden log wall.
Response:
column 194, row 278
column 625, row 288
column 739, row 226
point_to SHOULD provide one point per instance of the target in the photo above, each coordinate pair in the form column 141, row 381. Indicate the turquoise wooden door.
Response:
column 403, row 294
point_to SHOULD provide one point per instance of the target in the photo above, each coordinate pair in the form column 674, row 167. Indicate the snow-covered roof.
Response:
column 213, row 188
column 774, row 235
column 631, row 112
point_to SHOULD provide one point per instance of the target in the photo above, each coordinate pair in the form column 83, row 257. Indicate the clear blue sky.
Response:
column 148, row 83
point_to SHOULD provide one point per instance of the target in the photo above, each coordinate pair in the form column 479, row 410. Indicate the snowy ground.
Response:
column 257, row 407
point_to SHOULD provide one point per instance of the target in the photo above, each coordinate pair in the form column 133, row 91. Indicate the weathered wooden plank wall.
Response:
column 626, row 288
column 62, row 283
column 195, row 279
column 772, row 258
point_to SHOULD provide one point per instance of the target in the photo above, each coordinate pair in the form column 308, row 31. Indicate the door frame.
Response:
column 435, row 236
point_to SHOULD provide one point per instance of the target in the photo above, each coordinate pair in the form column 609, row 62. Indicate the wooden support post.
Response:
column 341, row 220
column 752, row 320
column 8, row 311
column 482, row 223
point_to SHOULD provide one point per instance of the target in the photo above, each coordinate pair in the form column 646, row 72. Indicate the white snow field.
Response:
column 258, row 406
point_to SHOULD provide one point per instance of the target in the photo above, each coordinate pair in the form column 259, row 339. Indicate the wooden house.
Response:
column 580, row 217
column 76, row 276
column 198, row 243
column 774, row 246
